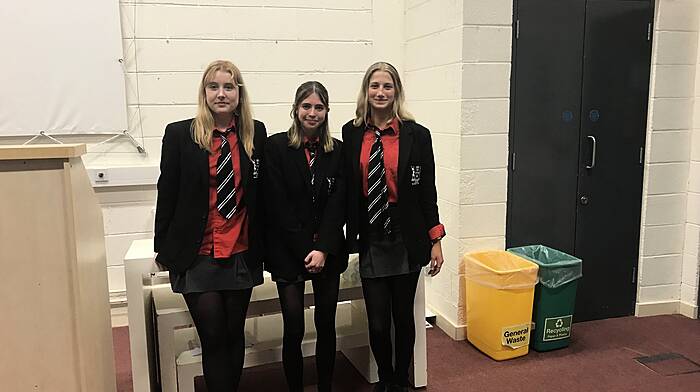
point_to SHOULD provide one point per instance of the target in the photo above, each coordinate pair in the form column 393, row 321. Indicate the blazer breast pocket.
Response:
column 415, row 174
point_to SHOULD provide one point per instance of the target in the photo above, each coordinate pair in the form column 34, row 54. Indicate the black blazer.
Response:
column 293, row 217
column 183, row 197
column 417, row 196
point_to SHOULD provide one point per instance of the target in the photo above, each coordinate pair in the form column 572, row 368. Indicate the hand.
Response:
column 436, row 259
column 315, row 261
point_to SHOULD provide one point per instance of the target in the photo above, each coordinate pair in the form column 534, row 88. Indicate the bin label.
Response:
column 516, row 336
column 556, row 328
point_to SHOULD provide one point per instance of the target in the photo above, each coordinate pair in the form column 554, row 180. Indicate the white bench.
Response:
column 168, row 351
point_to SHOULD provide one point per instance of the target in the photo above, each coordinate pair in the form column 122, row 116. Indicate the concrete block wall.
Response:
column 668, row 229
column 458, row 57
column 276, row 44
column 691, row 260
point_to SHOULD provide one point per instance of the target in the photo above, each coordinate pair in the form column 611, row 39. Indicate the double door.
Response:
column 580, row 86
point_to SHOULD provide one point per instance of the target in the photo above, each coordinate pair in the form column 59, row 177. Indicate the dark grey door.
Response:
column 613, row 121
column 580, row 82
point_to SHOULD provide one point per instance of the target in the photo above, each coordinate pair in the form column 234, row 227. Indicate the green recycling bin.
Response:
column 555, row 295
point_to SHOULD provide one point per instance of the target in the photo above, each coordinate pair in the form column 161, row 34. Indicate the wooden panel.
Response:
column 41, row 151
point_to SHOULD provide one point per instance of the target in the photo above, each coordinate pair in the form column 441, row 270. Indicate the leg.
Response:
column 403, row 292
column 236, row 308
column 292, row 303
column 209, row 315
column 326, row 302
column 378, row 304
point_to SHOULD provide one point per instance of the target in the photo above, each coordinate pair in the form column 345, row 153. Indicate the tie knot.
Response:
column 223, row 133
column 381, row 132
column 312, row 146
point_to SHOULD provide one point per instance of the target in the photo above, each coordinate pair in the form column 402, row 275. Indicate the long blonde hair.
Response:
column 363, row 109
column 295, row 134
column 203, row 125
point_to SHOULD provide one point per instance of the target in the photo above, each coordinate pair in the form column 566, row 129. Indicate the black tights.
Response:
column 386, row 297
column 292, row 301
column 219, row 317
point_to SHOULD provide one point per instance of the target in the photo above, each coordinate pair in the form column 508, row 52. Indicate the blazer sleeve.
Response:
column 168, row 185
column 280, row 210
column 428, row 192
column 333, row 216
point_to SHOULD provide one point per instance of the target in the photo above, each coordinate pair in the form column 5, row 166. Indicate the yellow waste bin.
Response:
column 500, row 288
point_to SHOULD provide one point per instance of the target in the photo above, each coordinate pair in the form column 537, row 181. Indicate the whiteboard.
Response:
column 60, row 70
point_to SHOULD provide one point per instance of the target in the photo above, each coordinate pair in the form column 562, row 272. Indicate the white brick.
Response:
column 448, row 184
column 245, row 23
column 674, row 47
column 169, row 55
column 661, row 270
column 439, row 83
column 667, row 178
column 665, row 209
column 690, row 270
column 669, row 147
column 484, row 116
column 458, row 290
column 677, row 15
column 674, row 81
column 449, row 216
column 486, row 43
column 153, row 119
column 336, row 4
column 131, row 88
column 484, row 220
column 483, row 186
column 499, row 12
column 671, row 113
column 450, row 252
column 181, row 88
column 127, row 17
column 446, row 151
column 440, row 48
column 439, row 117
column 117, row 245
column 659, row 293
column 490, row 80
column 129, row 55
column 441, row 284
column 484, row 152
column 695, row 140
column 689, row 294
column 694, row 177
column 432, row 16
column 696, row 110
column 693, row 209
column 663, row 240
column 692, row 239
column 414, row 3
column 128, row 218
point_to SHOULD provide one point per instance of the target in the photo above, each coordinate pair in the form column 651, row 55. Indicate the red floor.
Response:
column 601, row 358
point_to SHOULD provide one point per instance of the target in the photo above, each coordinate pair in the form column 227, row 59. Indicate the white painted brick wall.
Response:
column 669, row 245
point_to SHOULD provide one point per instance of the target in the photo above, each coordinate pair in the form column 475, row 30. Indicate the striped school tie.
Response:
column 225, row 182
column 377, row 193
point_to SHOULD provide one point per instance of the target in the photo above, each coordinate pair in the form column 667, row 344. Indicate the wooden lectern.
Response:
column 55, row 330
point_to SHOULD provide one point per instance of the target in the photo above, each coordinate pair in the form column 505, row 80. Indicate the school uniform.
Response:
column 203, row 250
column 306, row 209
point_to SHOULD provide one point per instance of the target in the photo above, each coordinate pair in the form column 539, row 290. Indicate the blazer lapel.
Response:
column 202, row 161
column 355, row 149
column 405, row 143
column 299, row 157
column 320, row 168
column 244, row 163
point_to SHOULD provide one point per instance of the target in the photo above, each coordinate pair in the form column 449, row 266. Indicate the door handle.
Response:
column 592, row 165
